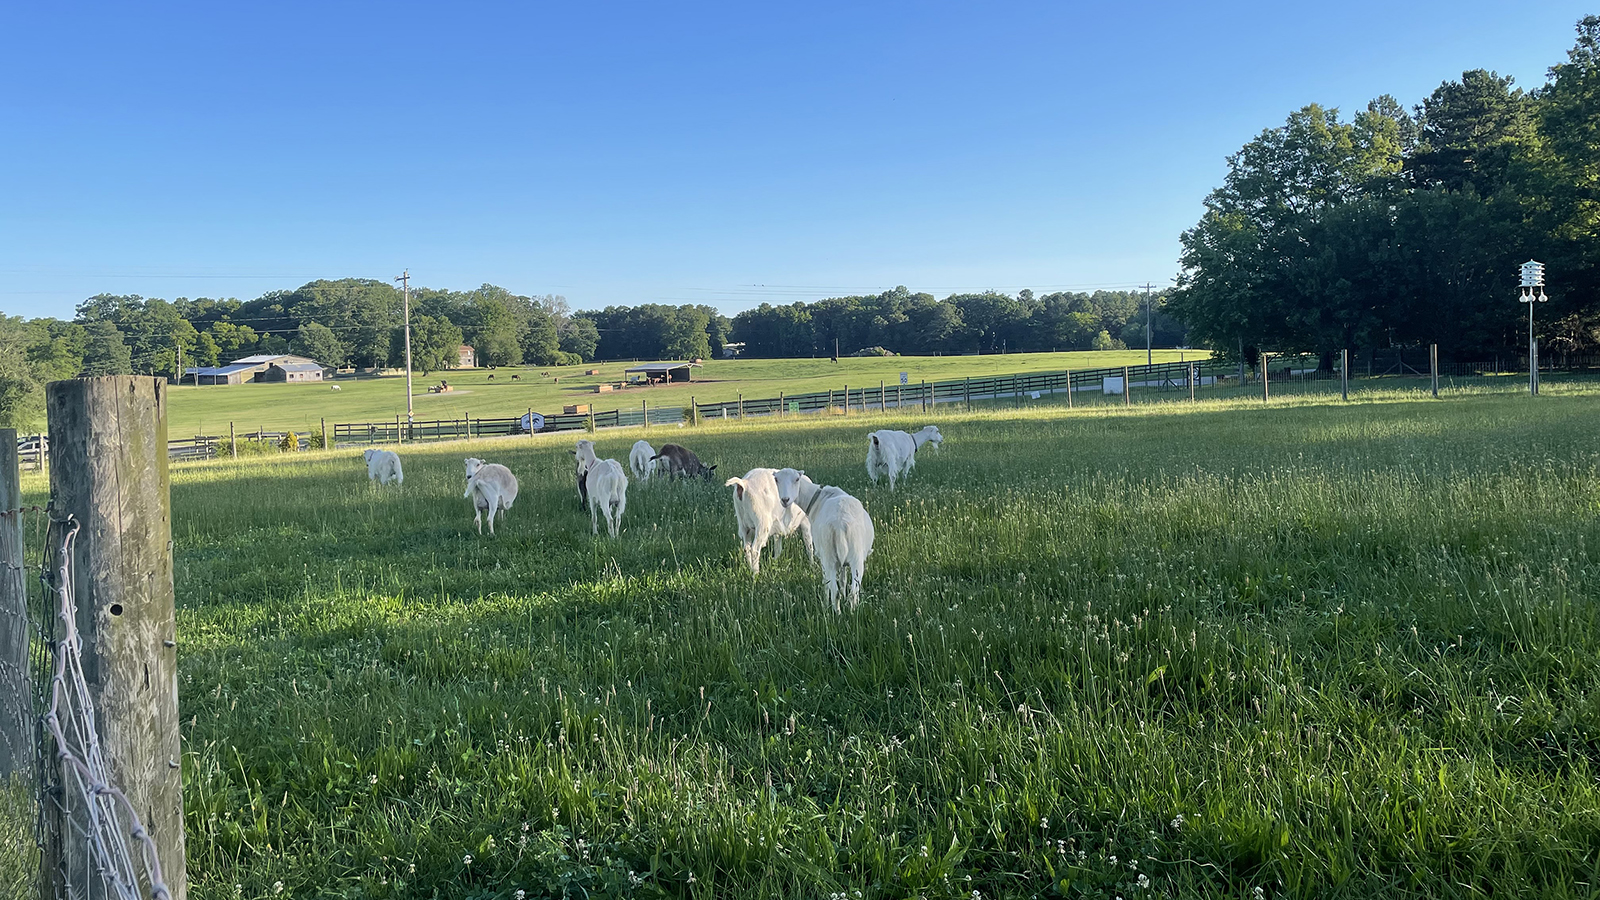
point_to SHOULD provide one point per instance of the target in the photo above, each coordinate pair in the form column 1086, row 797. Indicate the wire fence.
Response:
column 1204, row 378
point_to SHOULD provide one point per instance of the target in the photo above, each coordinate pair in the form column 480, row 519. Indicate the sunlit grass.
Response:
column 1320, row 649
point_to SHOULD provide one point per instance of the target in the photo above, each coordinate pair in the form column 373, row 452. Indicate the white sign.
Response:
column 532, row 422
column 905, row 377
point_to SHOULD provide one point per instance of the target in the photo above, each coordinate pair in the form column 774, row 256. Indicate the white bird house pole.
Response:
column 1533, row 292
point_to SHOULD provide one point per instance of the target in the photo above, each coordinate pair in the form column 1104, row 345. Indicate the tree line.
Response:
column 989, row 322
column 1399, row 227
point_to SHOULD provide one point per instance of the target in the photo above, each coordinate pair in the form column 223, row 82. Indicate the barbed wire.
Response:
column 69, row 721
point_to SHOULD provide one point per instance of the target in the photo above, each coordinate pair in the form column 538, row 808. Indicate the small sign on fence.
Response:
column 794, row 406
column 905, row 377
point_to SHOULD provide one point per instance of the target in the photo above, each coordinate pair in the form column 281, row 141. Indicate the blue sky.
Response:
column 629, row 153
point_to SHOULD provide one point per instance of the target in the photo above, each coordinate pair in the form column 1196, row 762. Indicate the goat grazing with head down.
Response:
column 607, row 488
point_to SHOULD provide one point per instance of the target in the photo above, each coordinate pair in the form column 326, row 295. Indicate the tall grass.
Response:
column 1317, row 650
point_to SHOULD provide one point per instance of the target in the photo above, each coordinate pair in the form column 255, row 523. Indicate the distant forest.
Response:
column 357, row 322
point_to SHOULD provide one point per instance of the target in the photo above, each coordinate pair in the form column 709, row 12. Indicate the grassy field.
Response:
column 209, row 409
column 1310, row 650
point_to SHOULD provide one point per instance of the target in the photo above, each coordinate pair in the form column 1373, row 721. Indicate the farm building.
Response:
column 468, row 357
column 661, row 372
column 265, row 367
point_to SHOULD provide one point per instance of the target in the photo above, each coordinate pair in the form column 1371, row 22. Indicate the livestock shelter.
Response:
column 661, row 372
column 279, row 367
column 292, row 371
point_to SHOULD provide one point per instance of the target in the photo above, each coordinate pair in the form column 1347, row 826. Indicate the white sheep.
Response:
column 756, row 507
column 492, row 489
column 642, row 460
column 843, row 533
column 337, row 388
column 607, row 488
column 383, row 466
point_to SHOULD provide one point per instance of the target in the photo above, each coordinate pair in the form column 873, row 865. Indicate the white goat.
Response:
column 844, row 534
column 799, row 497
column 894, row 453
column 383, row 466
column 583, row 458
column 642, row 460
column 607, row 488
column 756, row 506
column 492, row 489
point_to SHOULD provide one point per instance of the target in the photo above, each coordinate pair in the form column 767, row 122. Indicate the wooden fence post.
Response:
column 1266, row 389
column 882, row 403
column 694, row 411
column 1433, row 367
column 233, row 442
column 1127, row 388
column 1069, row 389
column 644, row 407
column 16, row 693
column 741, row 405
column 1344, row 374
column 924, row 393
column 847, row 399
column 325, row 444
column 1194, row 375
column 110, row 436
column 966, row 391
column 782, row 406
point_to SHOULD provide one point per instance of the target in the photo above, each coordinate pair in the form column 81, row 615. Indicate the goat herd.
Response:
column 769, row 504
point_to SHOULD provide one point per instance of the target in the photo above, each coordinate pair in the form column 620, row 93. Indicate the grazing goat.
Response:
column 642, row 460
column 516, row 377
column 491, row 376
column 492, row 489
column 682, row 462
column 583, row 458
column 843, row 533
column 756, row 507
column 383, row 466
column 608, row 493
column 337, row 388
column 928, row 435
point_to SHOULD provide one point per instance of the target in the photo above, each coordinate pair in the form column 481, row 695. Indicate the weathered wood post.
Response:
column 16, row 694
column 924, row 393
column 644, row 408
column 1194, row 375
column 1344, row 374
column 741, row 405
column 1069, row 389
column 847, row 399
column 325, row 444
column 1127, row 388
column 110, row 437
column 783, row 406
column 966, row 391
column 1266, row 389
column 882, row 403
column 233, row 442
column 1433, row 367
column 694, row 411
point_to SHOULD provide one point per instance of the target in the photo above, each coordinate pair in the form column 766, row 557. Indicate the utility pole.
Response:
column 1148, row 330
column 405, row 293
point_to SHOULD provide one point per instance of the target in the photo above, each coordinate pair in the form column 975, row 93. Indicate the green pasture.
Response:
column 208, row 409
column 1309, row 649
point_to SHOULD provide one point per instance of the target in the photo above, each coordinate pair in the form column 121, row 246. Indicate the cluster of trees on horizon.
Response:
column 357, row 322
column 1403, row 228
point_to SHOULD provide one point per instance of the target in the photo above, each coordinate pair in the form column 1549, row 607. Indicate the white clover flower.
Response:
column 372, row 779
column 1178, row 822
column 1260, row 893
column 1044, row 822
column 277, row 887
column 1144, row 880
column 521, row 893
column 466, row 860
